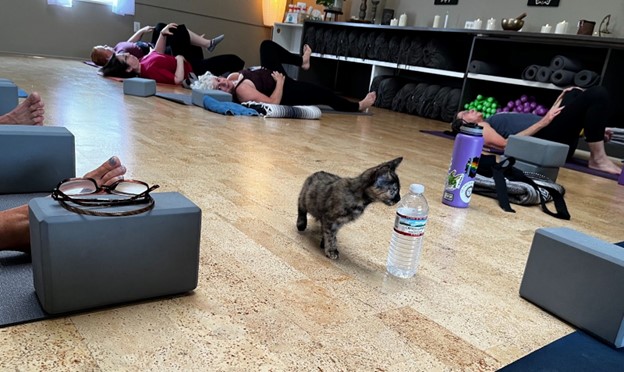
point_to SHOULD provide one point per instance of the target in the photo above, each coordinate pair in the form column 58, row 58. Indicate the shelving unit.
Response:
column 511, row 51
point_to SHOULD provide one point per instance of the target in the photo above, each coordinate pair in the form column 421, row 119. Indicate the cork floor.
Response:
column 267, row 298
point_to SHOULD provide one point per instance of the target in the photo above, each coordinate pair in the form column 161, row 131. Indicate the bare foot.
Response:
column 30, row 111
column 605, row 165
column 368, row 101
column 108, row 173
column 307, row 51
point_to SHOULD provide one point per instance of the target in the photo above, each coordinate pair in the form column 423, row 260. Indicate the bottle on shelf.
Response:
column 408, row 232
column 463, row 168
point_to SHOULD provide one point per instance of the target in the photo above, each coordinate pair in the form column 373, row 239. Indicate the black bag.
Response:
column 509, row 184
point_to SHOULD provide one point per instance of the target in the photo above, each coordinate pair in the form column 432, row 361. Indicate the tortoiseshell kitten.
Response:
column 334, row 200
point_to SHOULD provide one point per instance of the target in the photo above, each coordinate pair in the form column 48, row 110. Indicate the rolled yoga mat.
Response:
column 543, row 74
column 530, row 72
column 560, row 62
column 480, row 67
column 562, row 78
column 586, row 78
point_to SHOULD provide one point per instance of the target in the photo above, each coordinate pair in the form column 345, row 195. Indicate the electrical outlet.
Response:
column 137, row 26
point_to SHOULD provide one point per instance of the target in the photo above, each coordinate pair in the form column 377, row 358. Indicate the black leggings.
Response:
column 272, row 56
column 179, row 43
column 589, row 110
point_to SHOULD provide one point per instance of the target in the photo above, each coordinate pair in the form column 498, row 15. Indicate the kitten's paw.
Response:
column 302, row 224
column 302, row 220
column 333, row 254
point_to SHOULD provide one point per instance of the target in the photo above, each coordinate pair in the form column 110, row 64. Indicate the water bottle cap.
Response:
column 472, row 129
column 417, row 188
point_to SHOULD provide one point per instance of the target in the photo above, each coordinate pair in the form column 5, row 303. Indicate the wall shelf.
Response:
column 342, row 59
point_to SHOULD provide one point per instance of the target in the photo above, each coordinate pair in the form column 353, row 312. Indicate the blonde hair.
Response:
column 206, row 81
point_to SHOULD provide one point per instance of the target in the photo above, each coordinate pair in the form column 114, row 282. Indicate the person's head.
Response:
column 470, row 116
column 466, row 116
column 101, row 54
column 210, row 81
column 122, row 65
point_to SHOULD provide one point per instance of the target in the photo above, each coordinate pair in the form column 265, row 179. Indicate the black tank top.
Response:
column 261, row 78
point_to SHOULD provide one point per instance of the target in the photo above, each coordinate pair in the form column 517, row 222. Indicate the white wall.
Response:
column 421, row 12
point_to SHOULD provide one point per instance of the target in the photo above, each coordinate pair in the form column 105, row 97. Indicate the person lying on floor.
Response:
column 100, row 54
column 30, row 111
column 14, row 225
column 175, row 69
column 574, row 110
column 270, row 84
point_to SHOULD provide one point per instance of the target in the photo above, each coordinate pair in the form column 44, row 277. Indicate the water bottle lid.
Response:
column 472, row 129
column 417, row 188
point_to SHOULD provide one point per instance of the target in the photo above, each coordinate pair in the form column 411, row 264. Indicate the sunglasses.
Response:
column 74, row 194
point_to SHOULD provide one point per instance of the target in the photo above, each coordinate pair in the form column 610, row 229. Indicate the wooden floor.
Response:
column 268, row 299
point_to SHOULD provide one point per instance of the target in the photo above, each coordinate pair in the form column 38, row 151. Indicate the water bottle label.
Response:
column 410, row 226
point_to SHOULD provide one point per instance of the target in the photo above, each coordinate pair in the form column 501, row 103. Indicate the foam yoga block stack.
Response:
column 579, row 279
column 198, row 95
column 81, row 262
column 537, row 155
column 139, row 87
column 45, row 151
column 8, row 96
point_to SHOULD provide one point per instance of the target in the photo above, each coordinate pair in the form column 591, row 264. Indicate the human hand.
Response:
column 180, row 58
column 608, row 134
column 166, row 30
column 553, row 112
column 278, row 77
column 147, row 29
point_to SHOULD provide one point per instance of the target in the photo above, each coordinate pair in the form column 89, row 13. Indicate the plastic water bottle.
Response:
column 463, row 168
column 409, row 228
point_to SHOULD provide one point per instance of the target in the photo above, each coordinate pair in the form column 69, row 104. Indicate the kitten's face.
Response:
column 386, row 186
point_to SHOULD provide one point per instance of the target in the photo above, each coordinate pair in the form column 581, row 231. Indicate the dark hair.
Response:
column 456, row 124
column 115, row 67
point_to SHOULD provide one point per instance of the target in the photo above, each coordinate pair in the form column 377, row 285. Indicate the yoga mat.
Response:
column 183, row 99
column 586, row 78
column 562, row 78
column 576, row 352
column 530, row 72
column 560, row 62
column 578, row 165
column 543, row 74
column 480, row 67
column 329, row 110
column 18, row 301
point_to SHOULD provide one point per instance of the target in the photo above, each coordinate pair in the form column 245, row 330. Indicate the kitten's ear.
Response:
column 393, row 164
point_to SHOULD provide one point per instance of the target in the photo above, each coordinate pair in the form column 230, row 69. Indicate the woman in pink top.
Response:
column 171, row 69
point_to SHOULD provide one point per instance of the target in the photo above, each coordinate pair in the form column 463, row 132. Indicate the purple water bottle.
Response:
column 463, row 168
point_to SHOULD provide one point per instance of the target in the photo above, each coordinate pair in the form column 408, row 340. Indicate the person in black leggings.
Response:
column 270, row 84
column 185, row 58
column 575, row 110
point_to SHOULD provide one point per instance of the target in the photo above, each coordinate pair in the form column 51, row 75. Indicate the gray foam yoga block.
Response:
column 81, row 262
column 537, row 151
column 198, row 96
column 8, row 96
column 139, row 87
column 35, row 158
column 550, row 172
column 579, row 279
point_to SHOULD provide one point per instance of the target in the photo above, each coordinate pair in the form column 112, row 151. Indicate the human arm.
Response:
column 137, row 35
column 546, row 119
column 179, row 72
column 246, row 91
column 161, row 43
